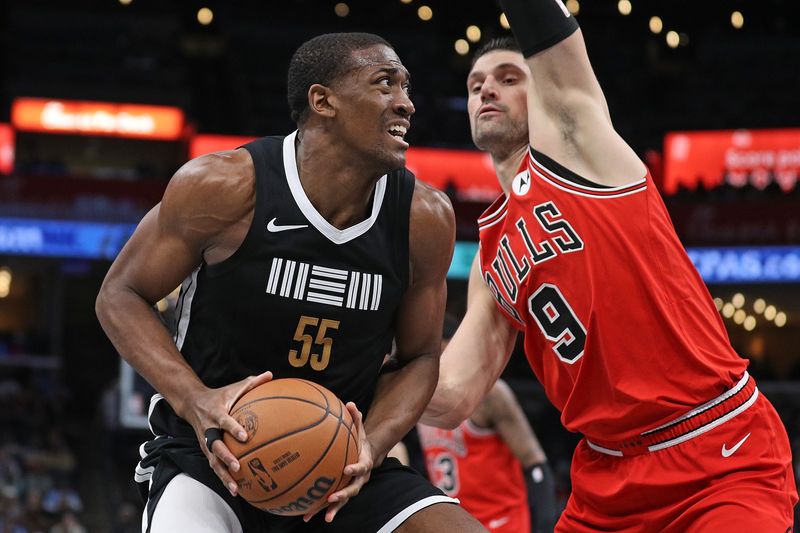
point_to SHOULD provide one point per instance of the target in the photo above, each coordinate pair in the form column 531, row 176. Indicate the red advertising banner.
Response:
column 97, row 118
column 470, row 173
column 733, row 157
column 202, row 144
column 6, row 149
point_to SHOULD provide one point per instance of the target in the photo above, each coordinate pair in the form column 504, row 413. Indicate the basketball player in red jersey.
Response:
column 481, row 463
column 580, row 254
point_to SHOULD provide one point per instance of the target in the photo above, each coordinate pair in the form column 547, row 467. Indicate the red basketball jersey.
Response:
column 619, row 327
column 474, row 465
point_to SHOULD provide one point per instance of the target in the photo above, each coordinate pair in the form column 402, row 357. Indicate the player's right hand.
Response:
column 210, row 408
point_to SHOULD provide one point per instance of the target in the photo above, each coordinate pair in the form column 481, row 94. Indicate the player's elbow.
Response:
column 448, row 407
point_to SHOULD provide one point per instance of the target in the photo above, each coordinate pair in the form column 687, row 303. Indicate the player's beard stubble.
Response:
column 499, row 134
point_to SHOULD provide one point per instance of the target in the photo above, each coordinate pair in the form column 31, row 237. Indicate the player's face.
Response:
column 498, row 101
column 374, row 107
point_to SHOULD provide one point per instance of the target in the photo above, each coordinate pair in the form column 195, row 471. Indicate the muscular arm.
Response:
column 206, row 205
column 474, row 358
column 402, row 395
column 567, row 113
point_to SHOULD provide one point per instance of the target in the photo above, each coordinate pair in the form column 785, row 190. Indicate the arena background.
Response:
column 705, row 92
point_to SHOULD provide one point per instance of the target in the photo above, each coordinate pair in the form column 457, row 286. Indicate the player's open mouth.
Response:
column 398, row 131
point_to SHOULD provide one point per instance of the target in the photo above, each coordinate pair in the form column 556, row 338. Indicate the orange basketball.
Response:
column 300, row 438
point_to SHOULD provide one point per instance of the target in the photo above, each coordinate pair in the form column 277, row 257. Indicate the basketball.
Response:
column 300, row 437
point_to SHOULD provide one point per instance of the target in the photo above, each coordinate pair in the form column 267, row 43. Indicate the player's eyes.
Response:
column 475, row 89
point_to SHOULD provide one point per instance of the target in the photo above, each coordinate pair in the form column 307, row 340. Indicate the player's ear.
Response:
column 320, row 100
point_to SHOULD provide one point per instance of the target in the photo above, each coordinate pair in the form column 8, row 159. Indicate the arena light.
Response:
column 673, row 39
column 405, row 1
column 341, row 9
column 473, row 33
column 759, row 305
column 125, row 2
column 718, row 303
column 462, row 47
column 728, row 309
column 780, row 319
column 625, row 7
column 749, row 323
column 738, row 300
column 770, row 312
column 656, row 25
column 739, row 316
column 5, row 282
column 504, row 21
column 205, row 16
column 737, row 20
column 425, row 13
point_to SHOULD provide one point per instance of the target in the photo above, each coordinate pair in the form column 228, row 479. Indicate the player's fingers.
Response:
column 357, row 417
column 222, row 473
column 349, row 491
column 229, row 424
column 224, row 455
column 330, row 514
column 360, row 468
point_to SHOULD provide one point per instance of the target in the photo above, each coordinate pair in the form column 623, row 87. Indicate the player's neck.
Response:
column 340, row 191
column 506, row 165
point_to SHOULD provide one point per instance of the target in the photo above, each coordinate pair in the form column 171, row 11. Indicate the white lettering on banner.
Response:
column 54, row 116
column 762, row 158
column 21, row 239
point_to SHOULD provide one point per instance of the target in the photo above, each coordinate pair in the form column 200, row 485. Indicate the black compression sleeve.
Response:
column 541, row 497
column 538, row 24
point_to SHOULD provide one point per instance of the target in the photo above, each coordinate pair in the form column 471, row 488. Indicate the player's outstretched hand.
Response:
column 209, row 416
column 359, row 471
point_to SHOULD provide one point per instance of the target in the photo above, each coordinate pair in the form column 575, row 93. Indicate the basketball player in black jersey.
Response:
column 301, row 256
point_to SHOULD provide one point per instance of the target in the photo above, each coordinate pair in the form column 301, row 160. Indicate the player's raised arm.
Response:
column 568, row 117
column 202, row 201
column 474, row 358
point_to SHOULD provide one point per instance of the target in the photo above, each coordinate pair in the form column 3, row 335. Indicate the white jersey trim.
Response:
column 586, row 194
column 581, row 186
column 335, row 235
column 403, row 515
column 185, row 305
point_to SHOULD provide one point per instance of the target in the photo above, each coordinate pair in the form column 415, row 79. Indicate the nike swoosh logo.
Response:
column 727, row 452
column 497, row 522
column 274, row 228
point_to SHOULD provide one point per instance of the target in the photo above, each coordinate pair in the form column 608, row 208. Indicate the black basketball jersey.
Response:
column 299, row 297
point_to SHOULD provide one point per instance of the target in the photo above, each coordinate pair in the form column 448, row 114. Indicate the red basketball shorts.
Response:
column 735, row 477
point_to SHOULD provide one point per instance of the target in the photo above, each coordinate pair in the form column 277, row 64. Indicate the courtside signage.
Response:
column 768, row 264
column 97, row 118
column 62, row 238
column 738, row 158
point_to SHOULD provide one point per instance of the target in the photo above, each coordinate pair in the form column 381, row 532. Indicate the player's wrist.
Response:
column 538, row 24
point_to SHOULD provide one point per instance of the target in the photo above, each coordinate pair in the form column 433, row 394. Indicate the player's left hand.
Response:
column 359, row 471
